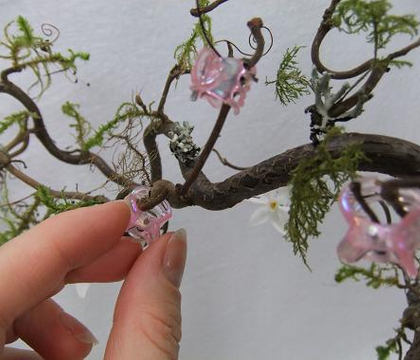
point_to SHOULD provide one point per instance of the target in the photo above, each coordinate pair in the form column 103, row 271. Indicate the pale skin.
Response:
column 86, row 245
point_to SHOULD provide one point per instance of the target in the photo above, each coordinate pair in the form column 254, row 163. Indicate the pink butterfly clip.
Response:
column 395, row 243
column 144, row 226
column 220, row 80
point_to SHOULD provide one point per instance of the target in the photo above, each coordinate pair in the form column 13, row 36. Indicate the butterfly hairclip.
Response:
column 145, row 226
column 369, row 239
column 220, row 80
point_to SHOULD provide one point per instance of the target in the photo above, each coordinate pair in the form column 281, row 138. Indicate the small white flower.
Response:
column 274, row 207
column 82, row 289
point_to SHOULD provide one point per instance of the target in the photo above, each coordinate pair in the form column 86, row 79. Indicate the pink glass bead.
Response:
column 220, row 80
column 145, row 226
column 365, row 239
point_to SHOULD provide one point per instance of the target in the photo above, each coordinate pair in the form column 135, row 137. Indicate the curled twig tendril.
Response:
column 50, row 30
column 251, row 42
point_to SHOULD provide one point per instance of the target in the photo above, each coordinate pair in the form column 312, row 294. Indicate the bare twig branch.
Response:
column 174, row 74
column 255, row 26
column 84, row 157
column 196, row 13
column 322, row 32
column 207, row 148
column 5, row 161
column 225, row 162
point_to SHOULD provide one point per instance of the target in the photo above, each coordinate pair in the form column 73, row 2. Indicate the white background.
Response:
column 245, row 296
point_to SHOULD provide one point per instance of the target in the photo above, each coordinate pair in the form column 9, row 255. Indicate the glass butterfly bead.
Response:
column 220, row 80
column 145, row 226
column 365, row 239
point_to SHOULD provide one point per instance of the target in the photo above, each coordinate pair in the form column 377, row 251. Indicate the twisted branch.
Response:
column 324, row 28
column 386, row 155
column 196, row 13
column 40, row 131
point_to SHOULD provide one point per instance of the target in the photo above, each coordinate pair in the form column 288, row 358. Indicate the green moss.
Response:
column 374, row 19
column 315, row 186
column 185, row 53
column 26, row 38
column 56, row 206
column 126, row 111
column 81, row 125
column 393, row 345
column 375, row 276
column 28, row 50
column 16, row 217
column 19, row 118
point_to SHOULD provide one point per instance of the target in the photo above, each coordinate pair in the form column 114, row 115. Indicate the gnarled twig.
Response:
column 196, row 13
column 40, row 131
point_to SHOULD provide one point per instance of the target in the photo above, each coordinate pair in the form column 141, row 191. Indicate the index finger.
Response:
column 33, row 265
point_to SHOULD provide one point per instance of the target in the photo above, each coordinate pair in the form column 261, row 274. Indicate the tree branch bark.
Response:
column 386, row 155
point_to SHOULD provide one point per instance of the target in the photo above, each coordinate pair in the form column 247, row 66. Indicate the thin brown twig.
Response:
column 225, row 162
column 137, row 153
column 75, row 195
column 174, row 74
column 255, row 26
column 40, row 131
column 150, row 144
column 207, row 148
column 196, row 13
column 324, row 28
column 11, row 203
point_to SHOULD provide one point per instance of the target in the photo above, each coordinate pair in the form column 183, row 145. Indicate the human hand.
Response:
column 86, row 245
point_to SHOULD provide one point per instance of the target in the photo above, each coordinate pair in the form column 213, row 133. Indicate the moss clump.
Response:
column 315, row 186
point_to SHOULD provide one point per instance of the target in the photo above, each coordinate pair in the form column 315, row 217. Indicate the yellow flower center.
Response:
column 273, row 205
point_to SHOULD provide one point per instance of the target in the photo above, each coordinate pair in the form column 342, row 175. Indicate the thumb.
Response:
column 147, row 318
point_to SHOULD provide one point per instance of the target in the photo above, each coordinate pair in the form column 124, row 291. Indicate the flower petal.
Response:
column 82, row 289
column 279, row 220
column 283, row 195
column 260, row 216
column 260, row 200
column 279, row 227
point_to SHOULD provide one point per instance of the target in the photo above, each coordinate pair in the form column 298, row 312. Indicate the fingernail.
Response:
column 77, row 329
column 175, row 256
column 124, row 201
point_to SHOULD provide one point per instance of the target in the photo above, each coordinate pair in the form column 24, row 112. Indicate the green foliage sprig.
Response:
column 16, row 218
column 375, row 276
column 126, row 111
column 384, row 352
column 393, row 345
column 26, row 50
column 315, row 186
column 290, row 83
column 373, row 18
column 81, row 125
column 56, row 206
column 186, row 52
column 19, row 118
